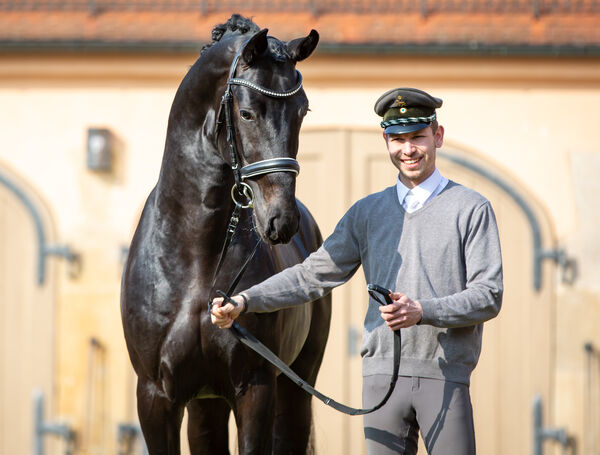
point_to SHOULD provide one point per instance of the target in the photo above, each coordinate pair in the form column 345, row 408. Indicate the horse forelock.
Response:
column 235, row 25
column 240, row 26
column 278, row 50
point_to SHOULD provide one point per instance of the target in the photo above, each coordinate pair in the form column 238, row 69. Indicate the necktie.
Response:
column 411, row 203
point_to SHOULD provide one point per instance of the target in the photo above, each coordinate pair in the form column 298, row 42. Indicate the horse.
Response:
column 182, row 361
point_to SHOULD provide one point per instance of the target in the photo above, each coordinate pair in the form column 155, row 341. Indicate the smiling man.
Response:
column 434, row 243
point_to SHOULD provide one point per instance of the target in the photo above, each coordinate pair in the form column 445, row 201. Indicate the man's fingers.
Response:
column 387, row 308
column 223, row 321
column 218, row 307
column 223, row 313
column 216, row 303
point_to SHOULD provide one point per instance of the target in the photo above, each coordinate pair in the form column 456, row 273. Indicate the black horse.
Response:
column 180, row 358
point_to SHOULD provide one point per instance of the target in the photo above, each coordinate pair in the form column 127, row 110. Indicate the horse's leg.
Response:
column 293, row 418
column 160, row 420
column 293, row 413
column 254, row 412
column 208, row 420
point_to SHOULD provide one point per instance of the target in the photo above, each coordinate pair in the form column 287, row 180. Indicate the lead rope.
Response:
column 253, row 343
column 249, row 340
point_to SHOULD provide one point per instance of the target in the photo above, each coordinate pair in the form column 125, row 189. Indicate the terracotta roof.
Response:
column 470, row 24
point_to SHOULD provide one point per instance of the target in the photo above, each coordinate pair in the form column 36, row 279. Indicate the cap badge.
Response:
column 399, row 101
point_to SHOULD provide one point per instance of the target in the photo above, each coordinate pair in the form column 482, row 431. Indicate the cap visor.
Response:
column 409, row 128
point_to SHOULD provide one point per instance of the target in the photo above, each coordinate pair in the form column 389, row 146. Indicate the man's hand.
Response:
column 224, row 315
column 403, row 312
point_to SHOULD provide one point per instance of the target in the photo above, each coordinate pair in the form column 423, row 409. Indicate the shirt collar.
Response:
column 423, row 191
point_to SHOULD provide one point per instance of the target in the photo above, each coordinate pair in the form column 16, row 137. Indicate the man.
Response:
column 435, row 243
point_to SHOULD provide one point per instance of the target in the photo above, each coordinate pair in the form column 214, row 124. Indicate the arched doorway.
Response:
column 340, row 166
column 27, row 329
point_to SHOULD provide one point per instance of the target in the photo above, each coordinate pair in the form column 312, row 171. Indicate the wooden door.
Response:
column 345, row 165
column 26, row 323
column 516, row 361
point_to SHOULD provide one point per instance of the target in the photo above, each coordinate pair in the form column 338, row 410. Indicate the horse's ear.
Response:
column 301, row 48
column 255, row 47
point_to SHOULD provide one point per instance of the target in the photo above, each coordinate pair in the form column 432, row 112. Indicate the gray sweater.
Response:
column 446, row 255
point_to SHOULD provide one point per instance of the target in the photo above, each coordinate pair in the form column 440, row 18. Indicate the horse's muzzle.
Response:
column 281, row 225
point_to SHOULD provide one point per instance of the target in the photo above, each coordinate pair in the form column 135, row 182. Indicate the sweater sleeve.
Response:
column 331, row 265
column 482, row 297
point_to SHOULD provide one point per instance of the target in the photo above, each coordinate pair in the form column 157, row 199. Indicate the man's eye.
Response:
column 246, row 115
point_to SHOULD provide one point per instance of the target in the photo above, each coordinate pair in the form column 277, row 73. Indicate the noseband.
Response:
column 267, row 166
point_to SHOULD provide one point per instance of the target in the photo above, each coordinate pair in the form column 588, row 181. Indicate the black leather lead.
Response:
column 253, row 343
column 249, row 340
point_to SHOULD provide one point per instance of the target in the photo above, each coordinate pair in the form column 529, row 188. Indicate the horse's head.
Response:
column 262, row 122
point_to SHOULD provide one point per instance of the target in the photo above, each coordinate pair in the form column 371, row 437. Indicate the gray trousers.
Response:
column 441, row 410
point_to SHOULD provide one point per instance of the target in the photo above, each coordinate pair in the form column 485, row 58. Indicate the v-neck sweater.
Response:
column 446, row 255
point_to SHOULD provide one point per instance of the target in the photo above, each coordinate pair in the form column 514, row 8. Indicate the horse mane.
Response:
column 236, row 24
column 240, row 25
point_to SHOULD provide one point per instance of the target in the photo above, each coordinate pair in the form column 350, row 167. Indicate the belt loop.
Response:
column 416, row 383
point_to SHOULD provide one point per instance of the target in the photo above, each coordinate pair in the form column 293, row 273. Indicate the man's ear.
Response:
column 386, row 138
column 439, row 137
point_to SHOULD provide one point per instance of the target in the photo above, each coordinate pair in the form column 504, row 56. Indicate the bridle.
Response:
column 242, row 189
column 268, row 166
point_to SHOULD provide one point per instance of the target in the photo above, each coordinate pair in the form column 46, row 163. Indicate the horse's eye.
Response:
column 246, row 115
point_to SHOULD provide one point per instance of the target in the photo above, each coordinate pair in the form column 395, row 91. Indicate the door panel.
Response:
column 26, row 327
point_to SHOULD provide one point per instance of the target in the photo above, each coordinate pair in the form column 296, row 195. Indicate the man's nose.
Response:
column 408, row 148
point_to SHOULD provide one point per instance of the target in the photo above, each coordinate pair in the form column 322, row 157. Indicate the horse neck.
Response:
column 192, row 194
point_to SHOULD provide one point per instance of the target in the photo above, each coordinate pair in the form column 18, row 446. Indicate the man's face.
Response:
column 413, row 154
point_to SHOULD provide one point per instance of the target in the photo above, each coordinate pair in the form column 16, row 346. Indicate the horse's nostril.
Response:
column 272, row 229
column 282, row 227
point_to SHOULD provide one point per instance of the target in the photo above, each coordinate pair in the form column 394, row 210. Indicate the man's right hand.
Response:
column 403, row 312
column 224, row 315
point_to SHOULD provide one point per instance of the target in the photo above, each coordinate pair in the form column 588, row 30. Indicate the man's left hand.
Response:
column 403, row 312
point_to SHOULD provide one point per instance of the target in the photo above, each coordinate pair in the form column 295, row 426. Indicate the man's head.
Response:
column 411, row 132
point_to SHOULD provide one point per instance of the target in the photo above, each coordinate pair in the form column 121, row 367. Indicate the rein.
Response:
column 241, row 189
